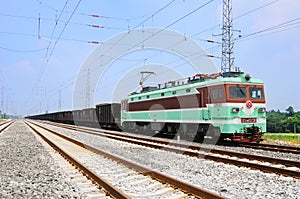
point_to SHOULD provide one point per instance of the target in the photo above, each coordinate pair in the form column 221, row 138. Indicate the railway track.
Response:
column 271, row 147
column 120, row 178
column 5, row 125
column 267, row 147
column 267, row 164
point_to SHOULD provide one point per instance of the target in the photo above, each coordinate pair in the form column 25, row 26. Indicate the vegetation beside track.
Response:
column 285, row 122
column 282, row 137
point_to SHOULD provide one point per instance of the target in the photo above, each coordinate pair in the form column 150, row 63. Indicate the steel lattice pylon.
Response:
column 227, row 38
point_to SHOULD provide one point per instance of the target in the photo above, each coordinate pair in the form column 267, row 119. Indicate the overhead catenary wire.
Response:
column 219, row 43
column 237, row 17
column 22, row 51
column 57, row 21
column 48, row 38
column 275, row 27
column 158, row 11
column 176, row 21
column 171, row 24
column 94, row 42
column 249, row 11
column 244, row 14
column 105, row 16
column 47, row 58
column 58, row 38
column 256, row 9
column 85, row 14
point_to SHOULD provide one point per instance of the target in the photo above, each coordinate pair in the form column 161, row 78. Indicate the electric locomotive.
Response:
column 227, row 105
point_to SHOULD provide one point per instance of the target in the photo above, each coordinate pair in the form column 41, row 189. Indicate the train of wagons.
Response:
column 226, row 106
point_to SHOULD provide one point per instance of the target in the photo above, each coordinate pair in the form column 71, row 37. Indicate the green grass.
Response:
column 282, row 136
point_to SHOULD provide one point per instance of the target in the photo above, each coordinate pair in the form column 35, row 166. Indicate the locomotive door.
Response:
column 203, row 101
column 124, row 105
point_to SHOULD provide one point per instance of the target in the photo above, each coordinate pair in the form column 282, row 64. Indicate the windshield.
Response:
column 237, row 92
column 256, row 93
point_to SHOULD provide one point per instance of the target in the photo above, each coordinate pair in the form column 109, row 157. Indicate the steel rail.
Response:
column 166, row 147
column 114, row 192
column 187, row 146
column 1, row 130
column 185, row 187
column 271, row 147
column 4, row 122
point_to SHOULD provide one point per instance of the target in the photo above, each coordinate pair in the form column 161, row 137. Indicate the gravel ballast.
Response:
column 27, row 170
column 226, row 180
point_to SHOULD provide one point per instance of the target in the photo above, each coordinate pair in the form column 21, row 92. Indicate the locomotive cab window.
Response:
column 256, row 93
column 237, row 92
column 218, row 93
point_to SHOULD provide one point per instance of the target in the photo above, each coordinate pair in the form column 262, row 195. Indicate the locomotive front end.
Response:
column 245, row 110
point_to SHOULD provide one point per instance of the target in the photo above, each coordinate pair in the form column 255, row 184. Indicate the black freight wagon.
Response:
column 109, row 115
column 89, row 117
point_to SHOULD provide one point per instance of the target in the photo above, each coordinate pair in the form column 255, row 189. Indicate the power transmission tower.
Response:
column 47, row 105
column 7, row 103
column 227, row 63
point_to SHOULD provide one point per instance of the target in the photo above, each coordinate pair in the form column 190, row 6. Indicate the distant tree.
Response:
column 290, row 111
column 278, row 111
column 288, row 124
column 292, row 119
column 278, row 121
column 274, row 121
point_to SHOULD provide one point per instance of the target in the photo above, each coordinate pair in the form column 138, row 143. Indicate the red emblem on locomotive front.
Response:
column 249, row 103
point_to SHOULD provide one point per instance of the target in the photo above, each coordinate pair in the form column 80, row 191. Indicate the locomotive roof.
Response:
column 225, row 78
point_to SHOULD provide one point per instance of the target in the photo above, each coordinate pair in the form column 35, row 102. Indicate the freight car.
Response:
column 109, row 115
column 89, row 117
column 106, row 116
column 65, row 117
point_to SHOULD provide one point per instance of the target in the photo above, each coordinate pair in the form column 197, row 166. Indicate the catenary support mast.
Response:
column 227, row 63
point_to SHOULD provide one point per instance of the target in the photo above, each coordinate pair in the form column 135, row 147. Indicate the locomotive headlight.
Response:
column 262, row 110
column 235, row 110
column 247, row 77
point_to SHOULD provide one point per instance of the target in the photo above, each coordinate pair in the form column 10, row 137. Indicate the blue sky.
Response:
column 38, row 75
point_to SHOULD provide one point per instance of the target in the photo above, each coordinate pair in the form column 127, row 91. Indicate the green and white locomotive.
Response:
column 228, row 105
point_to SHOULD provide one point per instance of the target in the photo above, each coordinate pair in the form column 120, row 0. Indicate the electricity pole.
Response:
column 227, row 62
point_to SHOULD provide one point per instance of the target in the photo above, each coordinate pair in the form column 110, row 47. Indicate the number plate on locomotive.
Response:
column 248, row 120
